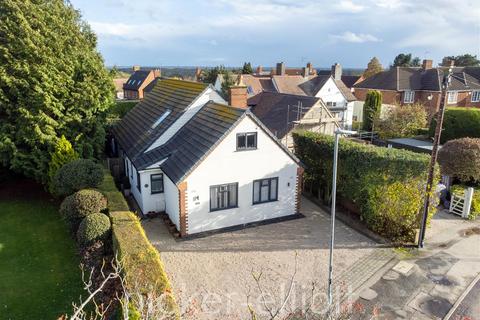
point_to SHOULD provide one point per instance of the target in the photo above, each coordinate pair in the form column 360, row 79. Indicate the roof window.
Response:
column 161, row 118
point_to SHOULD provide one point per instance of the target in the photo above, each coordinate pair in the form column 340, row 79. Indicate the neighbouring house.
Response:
column 282, row 113
column 208, row 164
column 119, row 82
column 330, row 88
column 134, row 88
column 407, row 85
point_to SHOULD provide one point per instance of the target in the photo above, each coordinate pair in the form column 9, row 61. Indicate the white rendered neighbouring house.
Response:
column 208, row 165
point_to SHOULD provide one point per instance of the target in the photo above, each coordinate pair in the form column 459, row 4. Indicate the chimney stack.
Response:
column 427, row 64
column 280, row 69
column 305, row 72
column 198, row 73
column 237, row 95
column 337, row 71
column 310, row 68
column 135, row 68
column 259, row 70
column 157, row 73
column 447, row 62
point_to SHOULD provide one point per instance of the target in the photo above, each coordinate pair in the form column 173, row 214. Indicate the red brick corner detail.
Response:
column 298, row 193
column 182, row 196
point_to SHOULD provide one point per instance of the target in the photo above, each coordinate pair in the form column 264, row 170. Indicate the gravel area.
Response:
column 220, row 275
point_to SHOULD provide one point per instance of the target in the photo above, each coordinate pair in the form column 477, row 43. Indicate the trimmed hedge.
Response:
column 459, row 190
column 458, row 123
column 80, row 205
column 76, row 175
column 385, row 186
column 116, row 200
column 141, row 261
column 95, row 227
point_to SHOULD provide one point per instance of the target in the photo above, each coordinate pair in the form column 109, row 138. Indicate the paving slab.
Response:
column 403, row 267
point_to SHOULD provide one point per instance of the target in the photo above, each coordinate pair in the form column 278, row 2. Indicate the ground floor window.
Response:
column 156, row 182
column 223, row 196
column 265, row 190
column 452, row 97
column 475, row 96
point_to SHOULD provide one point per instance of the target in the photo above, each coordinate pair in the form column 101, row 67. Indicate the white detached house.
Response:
column 206, row 164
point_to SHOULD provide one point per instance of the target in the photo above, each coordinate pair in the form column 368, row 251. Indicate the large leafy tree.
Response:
column 464, row 60
column 247, row 68
column 401, row 121
column 406, row 60
column 53, row 82
column 373, row 67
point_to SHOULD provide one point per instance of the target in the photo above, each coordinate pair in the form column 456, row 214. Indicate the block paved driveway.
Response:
column 214, row 277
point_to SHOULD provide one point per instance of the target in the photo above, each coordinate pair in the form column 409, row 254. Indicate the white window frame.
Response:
column 475, row 96
column 451, row 94
column 408, row 96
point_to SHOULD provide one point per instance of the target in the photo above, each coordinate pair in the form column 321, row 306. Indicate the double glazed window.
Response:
column 223, row 196
column 408, row 96
column 475, row 96
column 452, row 97
column 156, row 183
column 247, row 141
column 265, row 190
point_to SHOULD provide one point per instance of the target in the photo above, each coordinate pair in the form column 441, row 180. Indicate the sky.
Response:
column 264, row 32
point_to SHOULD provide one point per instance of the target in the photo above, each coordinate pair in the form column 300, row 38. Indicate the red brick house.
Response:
column 407, row 85
column 139, row 82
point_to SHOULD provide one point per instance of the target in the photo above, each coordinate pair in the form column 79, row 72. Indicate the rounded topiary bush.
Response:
column 460, row 158
column 76, row 175
column 95, row 227
column 80, row 205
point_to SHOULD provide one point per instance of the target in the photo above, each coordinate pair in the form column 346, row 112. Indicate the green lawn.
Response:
column 39, row 268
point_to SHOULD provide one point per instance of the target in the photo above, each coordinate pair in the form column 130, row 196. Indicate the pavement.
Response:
column 428, row 283
column 214, row 277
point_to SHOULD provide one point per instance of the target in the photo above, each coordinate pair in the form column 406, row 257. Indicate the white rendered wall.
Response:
column 209, row 94
column 330, row 93
column 226, row 165
column 171, row 201
column 151, row 202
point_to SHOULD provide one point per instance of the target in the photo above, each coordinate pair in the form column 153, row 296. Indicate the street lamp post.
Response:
column 433, row 159
column 338, row 132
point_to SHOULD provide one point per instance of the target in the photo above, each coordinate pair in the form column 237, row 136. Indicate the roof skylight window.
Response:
column 161, row 118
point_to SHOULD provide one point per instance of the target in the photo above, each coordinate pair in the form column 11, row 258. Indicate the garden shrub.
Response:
column 63, row 154
column 80, row 205
column 116, row 200
column 140, row 260
column 458, row 123
column 460, row 158
column 371, row 108
column 364, row 172
column 459, row 190
column 76, row 175
column 401, row 121
column 94, row 227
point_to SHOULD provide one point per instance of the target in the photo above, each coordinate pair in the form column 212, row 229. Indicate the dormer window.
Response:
column 246, row 141
column 408, row 96
column 161, row 118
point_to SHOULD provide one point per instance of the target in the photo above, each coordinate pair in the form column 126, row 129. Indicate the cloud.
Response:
column 350, row 6
column 349, row 36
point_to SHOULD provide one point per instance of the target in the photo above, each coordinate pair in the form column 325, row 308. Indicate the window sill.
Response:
column 222, row 209
column 255, row 203
column 250, row 149
column 159, row 192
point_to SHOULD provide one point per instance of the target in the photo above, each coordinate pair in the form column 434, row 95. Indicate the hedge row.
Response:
column 458, row 123
column 386, row 186
column 116, row 200
column 141, row 261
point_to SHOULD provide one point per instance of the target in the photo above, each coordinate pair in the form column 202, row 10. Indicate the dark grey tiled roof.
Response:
column 345, row 91
column 193, row 141
column 135, row 134
column 136, row 80
column 349, row 80
column 314, row 84
column 405, row 78
column 275, row 109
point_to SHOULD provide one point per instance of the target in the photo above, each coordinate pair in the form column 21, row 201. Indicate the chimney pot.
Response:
column 336, row 71
column 427, row 64
column 447, row 62
column 259, row 70
column 157, row 73
column 135, row 68
column 305, row 71
column 281, row 69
